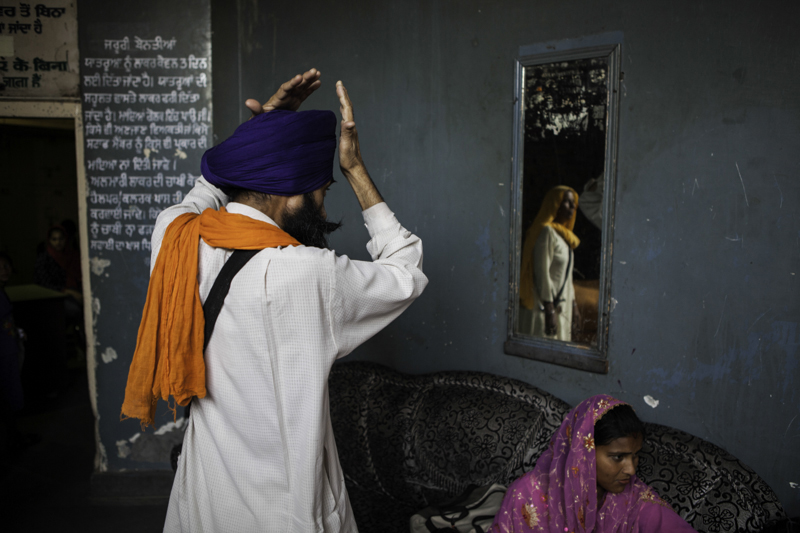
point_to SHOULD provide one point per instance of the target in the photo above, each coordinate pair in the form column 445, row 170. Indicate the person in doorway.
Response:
column 586, row 480
column 545, row 285
column 58, row 267
column 259, row 452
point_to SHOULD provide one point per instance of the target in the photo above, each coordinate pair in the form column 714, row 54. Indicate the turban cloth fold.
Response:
column 281, row 152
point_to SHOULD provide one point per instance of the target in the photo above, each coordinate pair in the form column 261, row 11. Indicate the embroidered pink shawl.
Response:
column 560, row 494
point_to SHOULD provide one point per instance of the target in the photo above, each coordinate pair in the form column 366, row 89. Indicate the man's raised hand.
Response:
column 350, row 161
column 349, row 150
column 289, row 95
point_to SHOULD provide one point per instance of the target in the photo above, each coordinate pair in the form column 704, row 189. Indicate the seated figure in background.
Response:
column 586, row 480
column 545, row 285
column 58, row 267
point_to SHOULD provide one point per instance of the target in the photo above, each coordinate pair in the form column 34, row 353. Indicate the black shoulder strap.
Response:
column 219, row 290
column 566, row 277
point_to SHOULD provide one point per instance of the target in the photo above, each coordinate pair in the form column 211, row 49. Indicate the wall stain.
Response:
column 98, row 265
column 110, row 354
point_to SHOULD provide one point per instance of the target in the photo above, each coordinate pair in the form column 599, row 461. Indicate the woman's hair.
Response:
column 619, row 422
column 54, row 229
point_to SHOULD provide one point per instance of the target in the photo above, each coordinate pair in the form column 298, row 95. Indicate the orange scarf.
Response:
column 169, row 348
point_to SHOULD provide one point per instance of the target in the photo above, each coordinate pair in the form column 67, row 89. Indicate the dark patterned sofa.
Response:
column 406, row 442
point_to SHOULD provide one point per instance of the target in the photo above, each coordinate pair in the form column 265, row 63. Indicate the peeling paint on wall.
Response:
column 153, row 447
column 98, row 265
column 109, row 355
column 156, row 447
column 101, row 458
column 171, row 426
column 652, row 402
column 123, row 450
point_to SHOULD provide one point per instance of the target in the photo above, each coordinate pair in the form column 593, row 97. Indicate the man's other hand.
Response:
column 350, row 161
column 289, row 95
column 349, row 149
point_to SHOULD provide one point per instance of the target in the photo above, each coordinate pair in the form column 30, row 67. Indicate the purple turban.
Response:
column 280, row 152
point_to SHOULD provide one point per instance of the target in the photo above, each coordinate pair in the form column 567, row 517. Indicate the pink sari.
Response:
column 560, row 494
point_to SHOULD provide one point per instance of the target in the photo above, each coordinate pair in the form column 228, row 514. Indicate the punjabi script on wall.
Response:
column 147, row 122
column 38, row 49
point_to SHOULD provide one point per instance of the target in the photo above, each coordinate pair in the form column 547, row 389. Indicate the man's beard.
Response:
column 307, row 224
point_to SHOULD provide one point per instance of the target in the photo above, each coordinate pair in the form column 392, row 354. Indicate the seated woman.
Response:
column 58, row 267
column 586, row 480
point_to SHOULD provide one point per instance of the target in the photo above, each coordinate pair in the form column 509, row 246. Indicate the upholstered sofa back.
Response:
column 707, row 486
column 406, row 442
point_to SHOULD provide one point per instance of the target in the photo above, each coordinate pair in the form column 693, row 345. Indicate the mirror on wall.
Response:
column 563, row 196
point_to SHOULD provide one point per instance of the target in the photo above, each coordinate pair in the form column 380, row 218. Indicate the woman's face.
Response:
column 567, row 208
column 617, row 462
column 58, row 240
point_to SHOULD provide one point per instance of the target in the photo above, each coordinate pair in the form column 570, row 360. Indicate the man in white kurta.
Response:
column 259, row 452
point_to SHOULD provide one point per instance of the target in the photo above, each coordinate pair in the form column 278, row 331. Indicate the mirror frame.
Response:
column 591, row 358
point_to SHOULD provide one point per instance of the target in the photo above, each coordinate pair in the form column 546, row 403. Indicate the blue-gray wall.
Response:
column 119, row 276
column 707, row 236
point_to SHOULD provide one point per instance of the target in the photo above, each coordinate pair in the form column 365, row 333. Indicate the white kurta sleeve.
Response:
column 367, row 296
column 543, row 252
column 202, row 196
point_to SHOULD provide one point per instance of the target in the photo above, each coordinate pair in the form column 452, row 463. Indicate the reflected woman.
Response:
column 545, row 285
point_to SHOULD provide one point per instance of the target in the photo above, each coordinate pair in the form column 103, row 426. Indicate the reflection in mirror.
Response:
column 562, row 162
column 565, row 118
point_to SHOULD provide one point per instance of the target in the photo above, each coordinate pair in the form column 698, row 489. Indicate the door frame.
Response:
column 71, row 108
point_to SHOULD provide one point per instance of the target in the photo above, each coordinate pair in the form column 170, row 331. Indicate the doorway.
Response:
column 38, row 234
column 43, row 187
